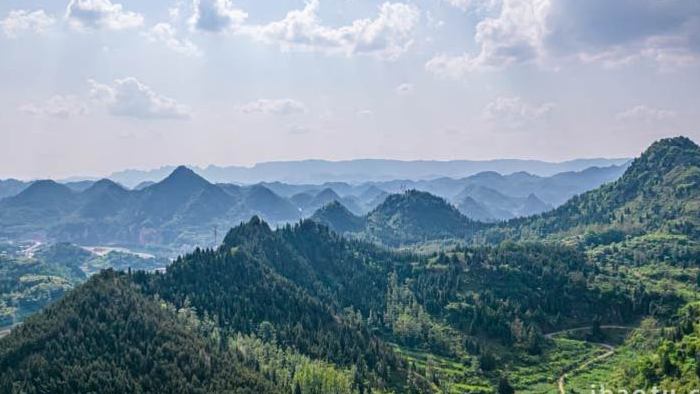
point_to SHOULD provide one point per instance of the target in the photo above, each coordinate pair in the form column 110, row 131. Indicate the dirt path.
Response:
column 610, row 350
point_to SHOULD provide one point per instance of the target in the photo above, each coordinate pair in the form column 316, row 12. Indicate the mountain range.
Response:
column 364, row 170
column 183, row 208
column 304, row 309
column 659, row 191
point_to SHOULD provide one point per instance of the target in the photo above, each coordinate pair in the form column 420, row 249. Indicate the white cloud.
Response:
column 216, row 15
column 514, row 36
column 404, row 89
column 299, row 129
column 364, row 113
column 57, row 106
column 130, row 98
column 18, row 21
column 462, row 4
column 610, row 33
column 388, row 35
column 646, row 114
column 101, row 14
column 465, row 5
column 166, row 34
column 513, row 112
column 274, row 107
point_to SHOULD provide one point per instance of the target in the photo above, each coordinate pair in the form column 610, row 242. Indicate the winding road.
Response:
column 610, row 350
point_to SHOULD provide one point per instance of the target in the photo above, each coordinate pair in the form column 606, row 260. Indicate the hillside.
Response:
column 338, row 218
column 129, row 343
column 306, row 296
column 415, row 216
column 660, row 191
column 406, row 218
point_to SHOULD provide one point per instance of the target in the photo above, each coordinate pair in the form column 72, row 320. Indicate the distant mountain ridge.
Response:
column 409, row 217
column 184, row 207
column 659, row 191
column 363, row 170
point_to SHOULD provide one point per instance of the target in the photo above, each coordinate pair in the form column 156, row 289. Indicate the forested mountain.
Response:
column 180, row 210
column 304, row 309
column 660, row 191
column 108, row 337
column 339, row 218
column 406, row 218
column 332, row 301
column 415, row 216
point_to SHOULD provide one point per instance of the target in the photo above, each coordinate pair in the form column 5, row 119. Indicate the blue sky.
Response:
column 94, row 86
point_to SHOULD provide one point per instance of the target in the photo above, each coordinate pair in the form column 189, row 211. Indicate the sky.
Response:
column 95, row 86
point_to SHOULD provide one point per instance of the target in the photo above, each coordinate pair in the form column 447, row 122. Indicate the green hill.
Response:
column 338, row 218
column 660, row 191
column 108, row 337
column 406, row 218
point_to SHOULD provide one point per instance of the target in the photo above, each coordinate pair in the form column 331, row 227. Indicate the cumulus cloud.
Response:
column 18, row 21
column 130, row 98
column 514, row 36
column 101, row 14
column 166, row 34
column 514, row 112
column 611, row 33
column 216, row 15
column 646, row 114
column 387, row 35
column 57, row 106
column 274, row 107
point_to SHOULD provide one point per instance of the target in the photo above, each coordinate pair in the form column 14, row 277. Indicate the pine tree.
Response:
column 504, row 386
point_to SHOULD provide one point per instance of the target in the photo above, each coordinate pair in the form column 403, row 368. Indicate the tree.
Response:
column 596, row 332
column 504, row 386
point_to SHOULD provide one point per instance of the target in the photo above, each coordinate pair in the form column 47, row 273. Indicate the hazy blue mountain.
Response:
column 371, row 193
column 492, row 205
column 264, row 202
column 302, row 199
column 181, row 209
column 363, row 170
column 409, row 217
column 104, row 198
column 79, row 186
column 143, row 185
column 472, row 209
column 553, row 190
column 11, row 187
column 185, row 194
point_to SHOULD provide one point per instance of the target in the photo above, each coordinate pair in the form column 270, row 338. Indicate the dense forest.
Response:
column 496, row 308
